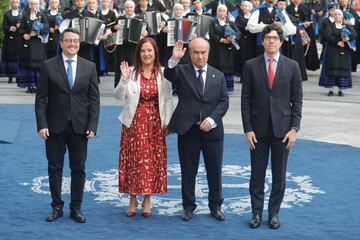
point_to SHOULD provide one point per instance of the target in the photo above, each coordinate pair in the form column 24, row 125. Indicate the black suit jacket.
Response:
column 282, row 104
column 193, row 106
column 56, row 103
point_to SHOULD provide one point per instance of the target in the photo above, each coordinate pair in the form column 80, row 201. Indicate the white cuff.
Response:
column 212, row 122
column 172, row 63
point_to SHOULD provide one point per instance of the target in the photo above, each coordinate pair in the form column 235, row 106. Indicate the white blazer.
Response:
column 130, row 91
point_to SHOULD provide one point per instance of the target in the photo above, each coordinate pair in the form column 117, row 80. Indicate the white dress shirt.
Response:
column 276, row 60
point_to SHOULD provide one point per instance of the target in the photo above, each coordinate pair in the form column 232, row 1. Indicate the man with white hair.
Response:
column 197, row 119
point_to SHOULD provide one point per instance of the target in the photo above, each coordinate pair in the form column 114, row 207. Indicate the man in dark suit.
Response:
column 271, row 102
column 67, row 114
column 203, row 101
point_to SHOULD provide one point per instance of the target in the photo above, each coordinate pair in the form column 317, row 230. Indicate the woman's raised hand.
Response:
column 125, row 70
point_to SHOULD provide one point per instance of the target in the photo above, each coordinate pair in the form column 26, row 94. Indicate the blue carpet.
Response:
column 9, row 130
column 321, row 200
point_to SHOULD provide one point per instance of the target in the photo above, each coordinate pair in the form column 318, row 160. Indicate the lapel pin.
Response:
column 213, row 75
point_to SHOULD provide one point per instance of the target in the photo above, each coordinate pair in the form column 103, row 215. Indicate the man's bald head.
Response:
column 199, row 52
column 199, row 41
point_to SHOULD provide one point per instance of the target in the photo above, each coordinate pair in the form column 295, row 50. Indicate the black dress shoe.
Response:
column 331, row 93
column 218, row 215
column 78, row 216
column 340, row 94
column 187, row 215
column 274, row 221
column 54, row 215
column 255, row 221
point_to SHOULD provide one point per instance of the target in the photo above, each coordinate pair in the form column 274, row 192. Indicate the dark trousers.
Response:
column 259, row 162
column 190, row 145
column 55, row 151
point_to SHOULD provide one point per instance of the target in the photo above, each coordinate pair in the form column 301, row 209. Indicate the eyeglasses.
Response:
column 269, row 38
column 68, row 40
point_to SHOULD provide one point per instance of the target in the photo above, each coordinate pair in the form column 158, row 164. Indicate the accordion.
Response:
column 90, row 29
column 131, row 30
column 202, row 24
column 180, row 30
column 153, row 20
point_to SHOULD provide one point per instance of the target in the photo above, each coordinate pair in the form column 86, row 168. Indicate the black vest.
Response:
column 266, row 17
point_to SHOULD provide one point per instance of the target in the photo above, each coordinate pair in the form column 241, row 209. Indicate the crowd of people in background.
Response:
column 32, row 29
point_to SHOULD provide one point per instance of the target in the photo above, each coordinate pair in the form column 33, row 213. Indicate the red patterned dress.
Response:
column 142, row 160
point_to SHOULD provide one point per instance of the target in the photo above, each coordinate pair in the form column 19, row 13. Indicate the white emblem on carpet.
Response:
column 104, row 185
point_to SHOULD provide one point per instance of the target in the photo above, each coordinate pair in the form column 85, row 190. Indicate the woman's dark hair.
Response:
column 137, row 65
column 273, row 27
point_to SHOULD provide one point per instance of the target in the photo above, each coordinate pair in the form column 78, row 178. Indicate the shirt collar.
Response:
column 132, row 16
column 104, row 11
column 338, row 25
column 204, row 68
column 53, row 12
column 65, row 58
column 15, row 12
column 276, row 58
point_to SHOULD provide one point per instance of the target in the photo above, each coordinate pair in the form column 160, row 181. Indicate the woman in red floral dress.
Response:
column 145, row 116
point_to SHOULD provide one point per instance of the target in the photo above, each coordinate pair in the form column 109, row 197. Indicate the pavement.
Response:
column 327, row 119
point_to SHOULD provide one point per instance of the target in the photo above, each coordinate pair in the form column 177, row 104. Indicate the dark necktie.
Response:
column 69, row 73
column 201, row 80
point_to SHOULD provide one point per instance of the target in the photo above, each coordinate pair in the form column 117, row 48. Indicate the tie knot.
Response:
column 271, row 60
column 69, row 61
column 200, row 71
